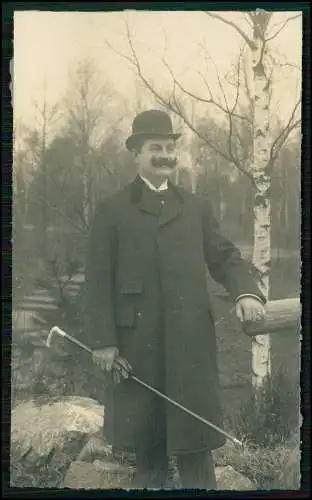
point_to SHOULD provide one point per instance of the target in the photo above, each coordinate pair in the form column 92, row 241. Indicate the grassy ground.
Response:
column 264, row 466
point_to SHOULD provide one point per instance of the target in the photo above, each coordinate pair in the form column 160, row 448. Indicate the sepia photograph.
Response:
column 156, row 315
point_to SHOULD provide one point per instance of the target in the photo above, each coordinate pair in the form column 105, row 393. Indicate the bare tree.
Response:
column 258, row 164
column 37, row 140
column 19, row 202
column 89, row 122
column 20, row 164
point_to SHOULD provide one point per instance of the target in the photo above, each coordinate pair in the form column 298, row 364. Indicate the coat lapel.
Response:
column 171, row 209
column 149, row 202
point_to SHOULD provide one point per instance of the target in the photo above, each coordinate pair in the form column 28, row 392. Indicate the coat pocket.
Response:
column 126, row 307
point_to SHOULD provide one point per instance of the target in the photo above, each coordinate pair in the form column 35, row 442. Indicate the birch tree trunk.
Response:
column 261, row 344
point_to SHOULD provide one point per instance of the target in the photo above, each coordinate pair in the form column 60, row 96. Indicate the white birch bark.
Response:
column 261, row 344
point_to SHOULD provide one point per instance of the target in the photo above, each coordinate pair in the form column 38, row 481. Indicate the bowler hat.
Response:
column 149, row 124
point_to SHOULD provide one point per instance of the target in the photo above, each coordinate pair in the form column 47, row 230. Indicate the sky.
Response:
column 48, row 44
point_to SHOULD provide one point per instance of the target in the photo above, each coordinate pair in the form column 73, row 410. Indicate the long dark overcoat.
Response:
column 147, row 294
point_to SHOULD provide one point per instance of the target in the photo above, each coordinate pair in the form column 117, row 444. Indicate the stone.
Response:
column 83, row 475
column 229, row 479
column 95, row 447
column 111, row 467
column 50, row 435
column 98, row 475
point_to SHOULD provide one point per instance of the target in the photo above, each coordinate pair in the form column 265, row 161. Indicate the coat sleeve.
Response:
column 99, row 272
column 224, row 260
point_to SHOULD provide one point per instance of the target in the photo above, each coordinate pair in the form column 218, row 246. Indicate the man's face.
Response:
column 157, row 158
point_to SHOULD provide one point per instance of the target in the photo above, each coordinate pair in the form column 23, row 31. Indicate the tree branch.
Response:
column 237, row 83
column 247, row 19
column 289, row 65
column 283, row 135
column 215, row 103
column 219, row 106
column 248, row 40
column 283, row 24
column 171, row 103
column 175, row 108
column 229, row 116
column 209, row 100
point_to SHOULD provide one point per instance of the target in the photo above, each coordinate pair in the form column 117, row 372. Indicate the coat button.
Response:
column 162, row 202
column 139, row 314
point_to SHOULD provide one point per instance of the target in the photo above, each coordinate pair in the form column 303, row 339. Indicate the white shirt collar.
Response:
column 162, row 187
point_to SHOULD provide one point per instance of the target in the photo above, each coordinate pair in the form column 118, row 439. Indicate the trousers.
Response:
column 196, row 469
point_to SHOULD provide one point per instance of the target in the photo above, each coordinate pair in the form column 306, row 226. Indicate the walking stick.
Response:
column 56, row 330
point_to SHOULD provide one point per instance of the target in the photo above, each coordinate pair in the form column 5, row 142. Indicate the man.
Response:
column 149, row 310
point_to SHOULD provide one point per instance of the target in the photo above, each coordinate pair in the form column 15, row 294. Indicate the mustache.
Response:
column 164, row 162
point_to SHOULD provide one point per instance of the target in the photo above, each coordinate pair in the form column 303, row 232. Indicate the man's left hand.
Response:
column 249, row 309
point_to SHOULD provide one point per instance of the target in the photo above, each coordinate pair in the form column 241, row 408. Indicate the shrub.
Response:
column 265, row 466
column 271, row 418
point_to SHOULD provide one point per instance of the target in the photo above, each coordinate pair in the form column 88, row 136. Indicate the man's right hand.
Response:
column 105, row 358
column 108, row 359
